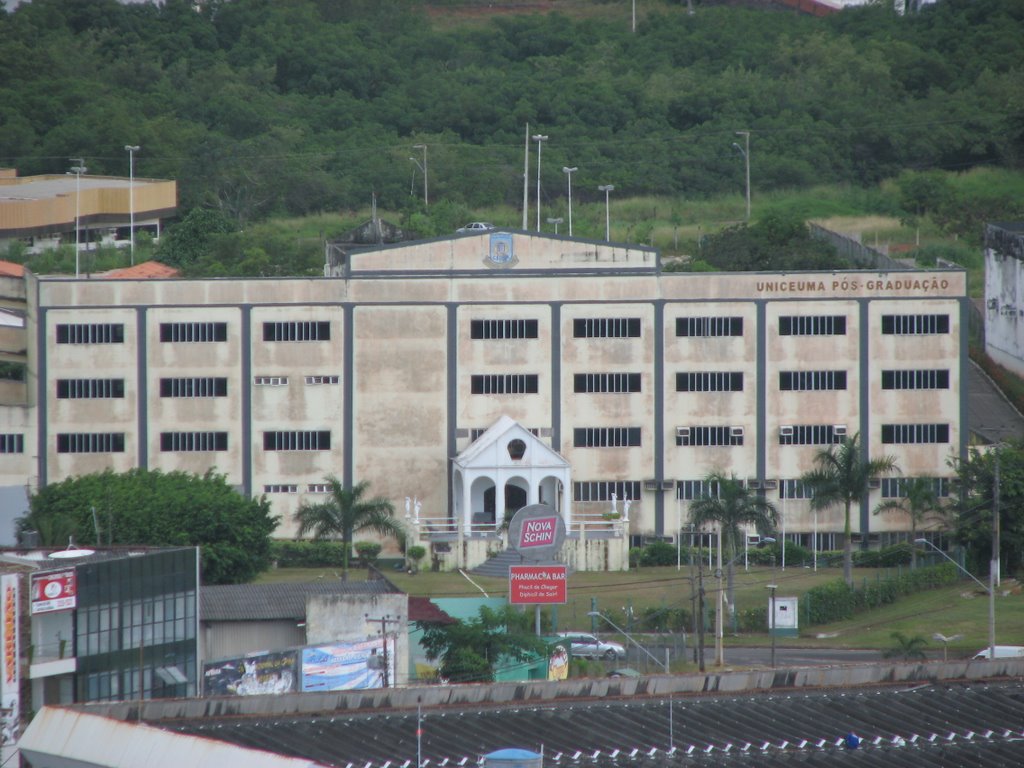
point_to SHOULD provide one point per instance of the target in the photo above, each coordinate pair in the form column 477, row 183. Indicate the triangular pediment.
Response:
column 496, row 447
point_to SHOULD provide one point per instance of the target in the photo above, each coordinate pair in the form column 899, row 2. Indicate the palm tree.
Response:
column 920, row 501
column 345, row 514
column 842, row 476
column 907, row 648
column 729, row 503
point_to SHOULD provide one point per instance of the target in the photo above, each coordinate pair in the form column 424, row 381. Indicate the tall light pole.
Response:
column 78, row 170
column 568, row 177
column 606, row 188
column 745, row 151
column 131, row 149
column 540, row 139
column 991, row 589
column 426, row 200
column 662, row 664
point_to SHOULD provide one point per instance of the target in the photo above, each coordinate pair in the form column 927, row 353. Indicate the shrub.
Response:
column 666, row 620
column 659, row 553
column 835, row 601
column 306, row 554
column 367, row 551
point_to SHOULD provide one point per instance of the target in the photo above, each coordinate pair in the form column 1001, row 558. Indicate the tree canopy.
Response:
column 265, row 108
column 149, row 507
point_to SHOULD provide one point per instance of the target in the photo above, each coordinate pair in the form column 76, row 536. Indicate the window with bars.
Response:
column 90, row 333
column 90, row 442
column 280, row 488
column 87, row 389
column 297, row 440
column 600, row 490
column 709, row 326
column 193, row 332
column 504, row 384
column 12, row 443
column 805, row 381
column 709, row 381
column 812, row 325
column 811, row 434
column 910, row 434
column 914, row 325
column 606, row 437
column 709, row 436
column 318, row 488
column 323, row 380
column 297, row 330
column 606, row 327
column 794, row 489
column 270, row 381
column 208, row 386
column 188, row 442
column 688, row 490
column 929, row 378
column 612, row 383
column 503, row 329
column 896, row 487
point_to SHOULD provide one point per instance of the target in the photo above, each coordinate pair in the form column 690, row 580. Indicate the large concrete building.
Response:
column 466, row 376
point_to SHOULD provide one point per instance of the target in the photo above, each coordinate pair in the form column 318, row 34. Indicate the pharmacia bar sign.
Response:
column 534, row 584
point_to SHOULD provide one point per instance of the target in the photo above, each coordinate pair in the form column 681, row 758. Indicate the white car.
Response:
column 591, row 647
column 475, row 226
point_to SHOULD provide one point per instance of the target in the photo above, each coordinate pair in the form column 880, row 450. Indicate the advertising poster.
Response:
column 254, row 674
column 53, row 591
column 558, row 661
column 348, row 666
column 10, row 683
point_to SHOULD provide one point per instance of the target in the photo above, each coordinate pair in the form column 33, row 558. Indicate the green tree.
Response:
column 919, row 503
column 729, row 504
column 469, row 650
column 973, row 509
column 345, row 514
column 842, row 475
column 149, row 507
column 906, row 648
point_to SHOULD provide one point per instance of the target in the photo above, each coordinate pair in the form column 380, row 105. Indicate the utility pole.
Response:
column 385, row 669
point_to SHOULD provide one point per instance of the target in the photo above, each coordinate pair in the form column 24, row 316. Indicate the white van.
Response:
column 1002, row 652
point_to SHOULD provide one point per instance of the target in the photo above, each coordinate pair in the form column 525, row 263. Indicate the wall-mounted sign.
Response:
column 10, row 681
column 53, row 591
column 536, row 532
column 537, row 584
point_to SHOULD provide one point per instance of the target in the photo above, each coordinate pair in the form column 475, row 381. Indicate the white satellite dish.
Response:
column 72, row 552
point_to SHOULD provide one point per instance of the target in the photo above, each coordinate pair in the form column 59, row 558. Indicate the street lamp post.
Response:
column 771, row 620
column 599, row 615
column 568, row 176
column 426, row 200
column 991, row 589
column 606, row 188
column 78, row 170
column 556, row 222
column 131, row 149
column 540, row 139
column 746, row 156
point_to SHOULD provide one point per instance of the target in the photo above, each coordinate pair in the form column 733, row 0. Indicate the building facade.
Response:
column 640, row 381
column 1004, row 295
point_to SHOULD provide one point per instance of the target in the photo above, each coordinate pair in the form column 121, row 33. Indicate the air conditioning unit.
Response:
column 683, row 432
column 668, row 485
column 753, row 484
column 874, row 483
column 786, row 430
column 770, row 485
column 735, row 431
column 839, row 430
column 652, row 485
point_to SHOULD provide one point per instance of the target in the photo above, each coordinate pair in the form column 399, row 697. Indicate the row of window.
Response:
column 184, row 442
column 81, row 389
column 891, row 487
column 583, row 328
column 294, row 488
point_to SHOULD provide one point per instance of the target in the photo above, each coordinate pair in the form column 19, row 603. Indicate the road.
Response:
column 744, row 656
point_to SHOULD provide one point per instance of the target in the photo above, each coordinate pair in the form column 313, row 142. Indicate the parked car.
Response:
column 591, row 647
column 475, row 226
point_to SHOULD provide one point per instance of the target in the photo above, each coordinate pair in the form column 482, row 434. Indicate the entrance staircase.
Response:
column 497, row 567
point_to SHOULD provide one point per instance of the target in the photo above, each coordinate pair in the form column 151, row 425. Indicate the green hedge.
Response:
column 835, row 601
column 306, row 554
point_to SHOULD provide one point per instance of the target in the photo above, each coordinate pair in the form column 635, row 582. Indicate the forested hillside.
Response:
column 265, row 107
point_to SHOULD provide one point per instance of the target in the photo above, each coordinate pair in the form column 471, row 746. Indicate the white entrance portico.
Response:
column 505, row 469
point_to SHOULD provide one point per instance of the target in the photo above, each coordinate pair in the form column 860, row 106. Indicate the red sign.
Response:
column 54, row 591
column 532, row 584
column 539, row 532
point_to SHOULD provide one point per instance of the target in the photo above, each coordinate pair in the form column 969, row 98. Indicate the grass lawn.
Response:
column 962, row 609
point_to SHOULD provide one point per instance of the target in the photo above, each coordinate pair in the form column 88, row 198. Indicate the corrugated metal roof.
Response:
column 260, row 602
column 147, row 270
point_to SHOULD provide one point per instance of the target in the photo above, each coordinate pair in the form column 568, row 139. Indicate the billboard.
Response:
column 252, row 674
column 54, row 591
column 537, row 584
column 10, row 682
column 349, row 666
